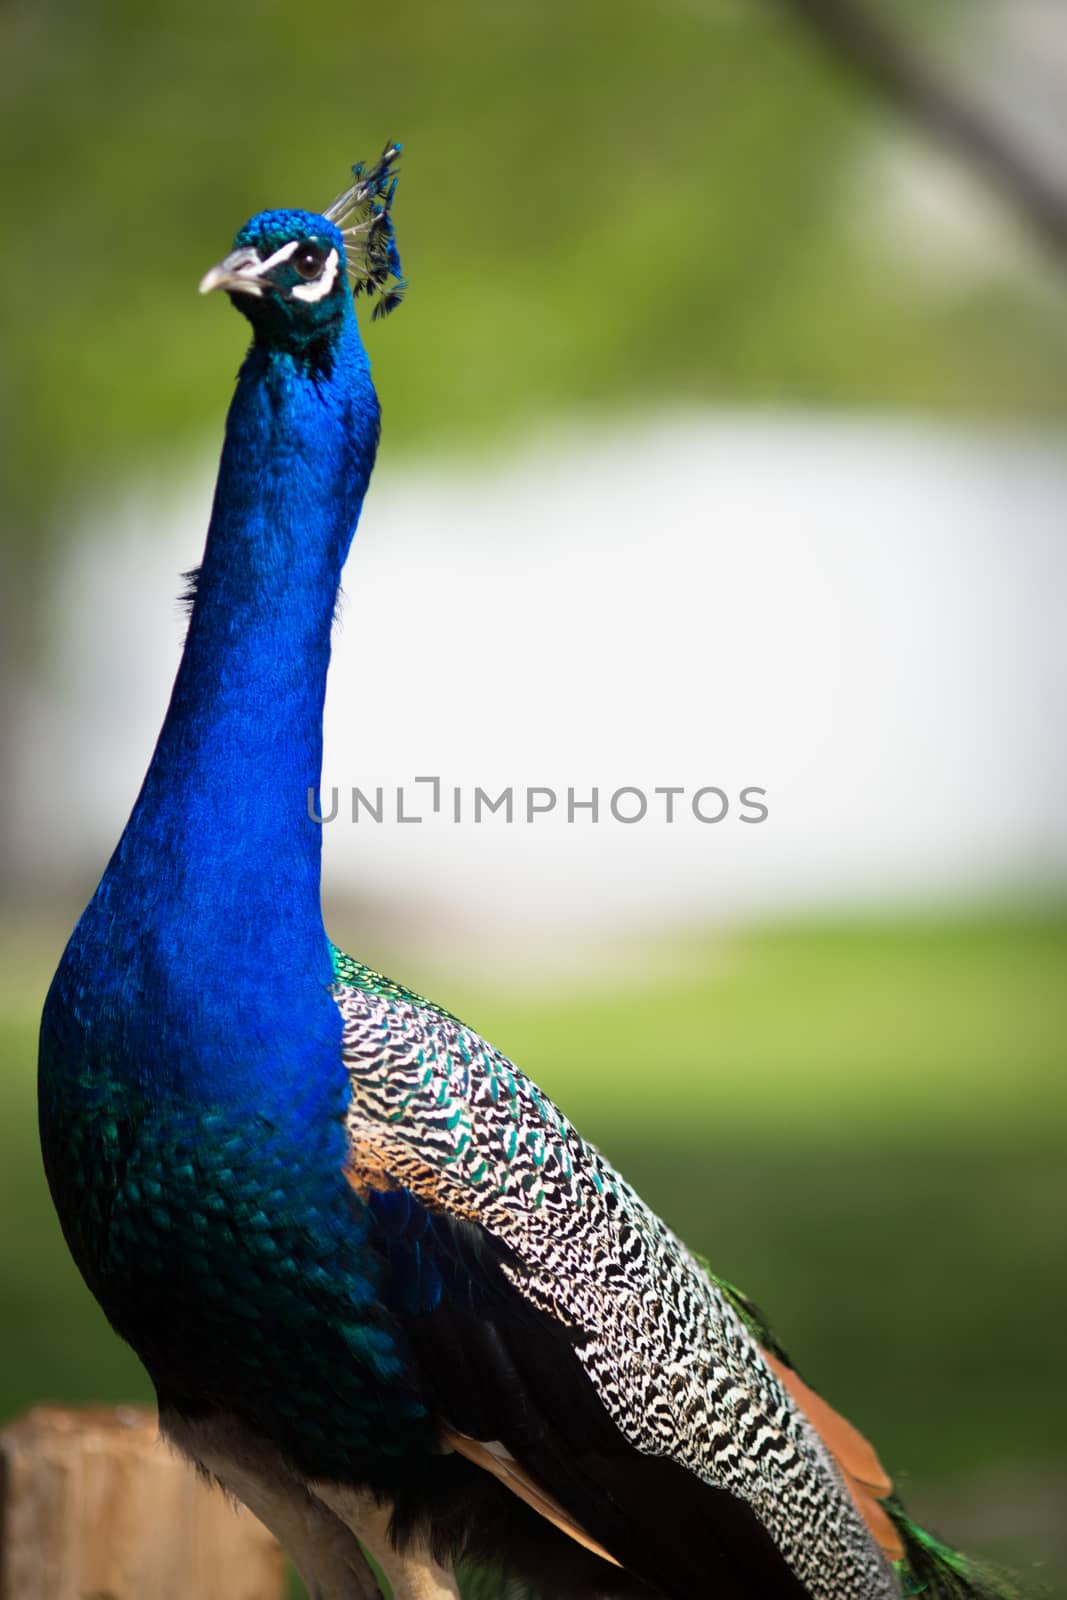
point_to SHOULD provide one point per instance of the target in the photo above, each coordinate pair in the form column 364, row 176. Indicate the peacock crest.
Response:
column 363, row 213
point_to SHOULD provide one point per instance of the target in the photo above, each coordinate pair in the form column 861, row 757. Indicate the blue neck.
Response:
column 215, row 883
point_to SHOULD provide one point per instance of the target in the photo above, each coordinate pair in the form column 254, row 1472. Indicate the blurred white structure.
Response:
column 866, row 620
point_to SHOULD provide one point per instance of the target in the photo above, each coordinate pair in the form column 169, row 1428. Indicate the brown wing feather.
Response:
column 495, row 1459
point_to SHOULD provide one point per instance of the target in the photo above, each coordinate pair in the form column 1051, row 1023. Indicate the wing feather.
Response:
column 436, row 1111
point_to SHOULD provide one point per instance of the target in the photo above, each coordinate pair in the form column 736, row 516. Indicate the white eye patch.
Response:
column 277, row 258
column 323, row 284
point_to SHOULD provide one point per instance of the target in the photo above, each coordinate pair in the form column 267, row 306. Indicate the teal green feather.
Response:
column 353, row 974
column 937, row 1571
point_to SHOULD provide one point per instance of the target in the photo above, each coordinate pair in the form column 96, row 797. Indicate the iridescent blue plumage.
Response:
column 373, row 1272
column 191, row 1082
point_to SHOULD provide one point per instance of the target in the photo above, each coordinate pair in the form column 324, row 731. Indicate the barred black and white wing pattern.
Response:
column 438, row 1112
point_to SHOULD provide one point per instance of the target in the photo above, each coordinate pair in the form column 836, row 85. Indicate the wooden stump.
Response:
column 96, row 1507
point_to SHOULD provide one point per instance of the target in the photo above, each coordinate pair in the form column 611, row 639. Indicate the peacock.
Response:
column 387, row 1295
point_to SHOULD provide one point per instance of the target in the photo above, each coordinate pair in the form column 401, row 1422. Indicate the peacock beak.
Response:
column 239, row 273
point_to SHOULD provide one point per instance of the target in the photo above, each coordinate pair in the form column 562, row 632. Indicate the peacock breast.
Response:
column 223, row 1242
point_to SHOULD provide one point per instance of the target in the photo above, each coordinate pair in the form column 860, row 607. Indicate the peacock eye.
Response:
column 308, row 261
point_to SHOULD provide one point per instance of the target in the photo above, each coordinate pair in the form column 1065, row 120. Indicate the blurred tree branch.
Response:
column 852, row 32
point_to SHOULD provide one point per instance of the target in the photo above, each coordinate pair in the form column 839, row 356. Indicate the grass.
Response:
column 862, row 1124
column 933, row 1029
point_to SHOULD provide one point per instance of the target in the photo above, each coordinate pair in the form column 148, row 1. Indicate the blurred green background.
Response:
column 606, row 209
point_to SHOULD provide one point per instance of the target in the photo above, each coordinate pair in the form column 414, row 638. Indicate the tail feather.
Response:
column 937, row 1572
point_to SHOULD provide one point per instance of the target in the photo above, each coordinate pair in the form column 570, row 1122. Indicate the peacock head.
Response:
column 291, row 272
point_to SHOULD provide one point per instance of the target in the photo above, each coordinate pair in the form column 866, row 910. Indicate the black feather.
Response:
column 191, row 582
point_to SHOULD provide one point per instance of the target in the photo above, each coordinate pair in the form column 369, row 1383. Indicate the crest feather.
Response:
column 363, row 213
